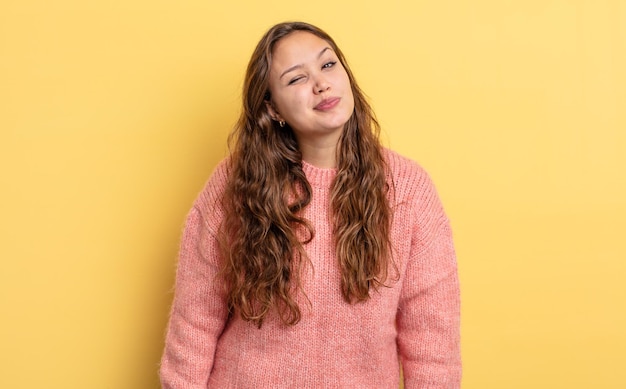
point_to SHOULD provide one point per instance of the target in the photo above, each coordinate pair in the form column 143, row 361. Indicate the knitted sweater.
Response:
column 413, row 322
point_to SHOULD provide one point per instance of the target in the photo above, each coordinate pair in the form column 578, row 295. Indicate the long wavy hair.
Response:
column 267, row 190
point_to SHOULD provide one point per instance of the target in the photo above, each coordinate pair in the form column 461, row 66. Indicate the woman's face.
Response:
column 310, row 89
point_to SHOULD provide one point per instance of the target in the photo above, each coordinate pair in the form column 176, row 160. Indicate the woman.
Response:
column 314, row 257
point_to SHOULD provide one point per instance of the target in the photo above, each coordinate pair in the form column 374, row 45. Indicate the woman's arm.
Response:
column 198, row 313
column 429, row 311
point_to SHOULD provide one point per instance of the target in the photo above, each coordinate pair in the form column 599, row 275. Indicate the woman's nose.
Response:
column 321, row 85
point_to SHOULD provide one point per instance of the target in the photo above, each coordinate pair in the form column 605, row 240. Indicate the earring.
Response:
column 281, row 123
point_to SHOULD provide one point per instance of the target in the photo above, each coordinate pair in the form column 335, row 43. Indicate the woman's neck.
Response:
column 321, row 153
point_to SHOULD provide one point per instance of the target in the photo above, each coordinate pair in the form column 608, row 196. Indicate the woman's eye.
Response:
column 296, row 79
column 329, row 64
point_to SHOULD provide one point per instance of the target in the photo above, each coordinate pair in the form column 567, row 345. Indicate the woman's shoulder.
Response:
column 408, row 178
column 411, row 185
column 209, row 200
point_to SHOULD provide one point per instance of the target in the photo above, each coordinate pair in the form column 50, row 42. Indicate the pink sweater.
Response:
column 414, row 322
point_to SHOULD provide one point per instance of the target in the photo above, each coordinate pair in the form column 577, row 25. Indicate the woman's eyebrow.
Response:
column 294, row 67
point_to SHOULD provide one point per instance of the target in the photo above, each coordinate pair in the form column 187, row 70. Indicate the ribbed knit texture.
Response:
column 414, row 321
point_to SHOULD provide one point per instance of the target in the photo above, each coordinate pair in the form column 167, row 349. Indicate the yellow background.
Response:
column 113, row 114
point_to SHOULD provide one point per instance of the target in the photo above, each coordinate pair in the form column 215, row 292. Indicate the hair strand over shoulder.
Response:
column 263, row 232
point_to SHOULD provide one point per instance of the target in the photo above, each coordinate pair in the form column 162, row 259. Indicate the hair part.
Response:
column 263, row 232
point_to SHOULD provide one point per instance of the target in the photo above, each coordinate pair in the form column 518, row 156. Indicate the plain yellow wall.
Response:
column 113, row 114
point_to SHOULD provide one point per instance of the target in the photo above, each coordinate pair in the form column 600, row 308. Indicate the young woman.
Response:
column 314, row 257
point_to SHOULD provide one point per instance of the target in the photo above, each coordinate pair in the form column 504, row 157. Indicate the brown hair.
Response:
column 267, row 189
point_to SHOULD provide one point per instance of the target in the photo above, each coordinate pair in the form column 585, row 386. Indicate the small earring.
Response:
column 281, row 123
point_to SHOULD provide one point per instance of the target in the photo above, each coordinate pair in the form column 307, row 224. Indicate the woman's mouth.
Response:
column 327, row 104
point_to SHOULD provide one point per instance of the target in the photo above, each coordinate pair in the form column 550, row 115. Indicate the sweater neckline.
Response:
column 317, row 176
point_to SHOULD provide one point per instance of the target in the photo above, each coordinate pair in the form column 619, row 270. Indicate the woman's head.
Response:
column 309, row 89
column 297, row 74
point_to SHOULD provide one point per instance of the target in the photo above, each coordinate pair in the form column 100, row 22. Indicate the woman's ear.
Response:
column 272, row 111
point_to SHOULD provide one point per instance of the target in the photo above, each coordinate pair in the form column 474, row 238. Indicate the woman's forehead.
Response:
column 298, row 48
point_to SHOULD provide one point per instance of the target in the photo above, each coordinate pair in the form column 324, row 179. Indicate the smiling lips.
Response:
column 327, row 104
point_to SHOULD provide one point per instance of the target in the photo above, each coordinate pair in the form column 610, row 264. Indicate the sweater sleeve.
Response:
column 428, row 318
column 198, row 313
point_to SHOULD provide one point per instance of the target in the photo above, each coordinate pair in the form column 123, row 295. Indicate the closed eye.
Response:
column 295, row 79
